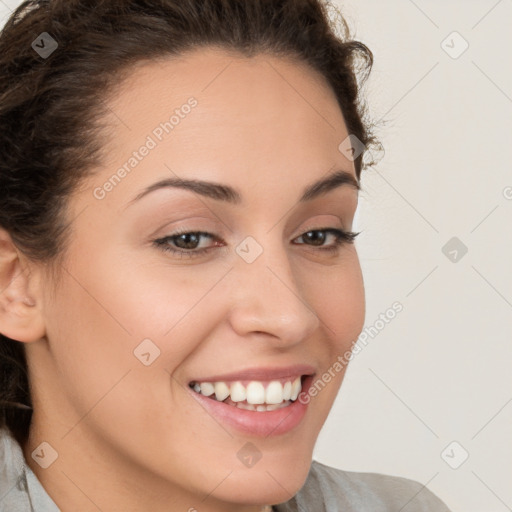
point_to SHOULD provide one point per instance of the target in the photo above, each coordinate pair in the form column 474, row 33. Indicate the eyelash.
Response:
column 342, row 237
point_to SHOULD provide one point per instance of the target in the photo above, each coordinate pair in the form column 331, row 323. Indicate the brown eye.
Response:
column 341, row 237
column 185, row 243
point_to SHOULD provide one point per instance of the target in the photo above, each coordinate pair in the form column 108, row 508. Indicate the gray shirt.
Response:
column 326, row 489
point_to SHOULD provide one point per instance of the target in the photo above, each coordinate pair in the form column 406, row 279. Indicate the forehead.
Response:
column 262, row 118
column 225, row 78
column 229, row 87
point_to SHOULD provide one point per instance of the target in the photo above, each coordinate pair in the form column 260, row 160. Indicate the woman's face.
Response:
column 133, row 325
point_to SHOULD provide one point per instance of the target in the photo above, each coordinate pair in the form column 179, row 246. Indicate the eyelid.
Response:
column 321, row 226
column 206, row 224
column 214, row 235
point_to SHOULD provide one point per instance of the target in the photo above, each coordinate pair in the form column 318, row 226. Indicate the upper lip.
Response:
column 261, row 373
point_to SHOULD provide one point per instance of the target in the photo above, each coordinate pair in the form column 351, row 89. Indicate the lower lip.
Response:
column 256, row 423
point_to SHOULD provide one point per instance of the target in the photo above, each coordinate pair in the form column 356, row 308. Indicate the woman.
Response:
column 178, row 185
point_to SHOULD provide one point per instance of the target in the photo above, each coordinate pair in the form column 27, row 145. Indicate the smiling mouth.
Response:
column 254, row 395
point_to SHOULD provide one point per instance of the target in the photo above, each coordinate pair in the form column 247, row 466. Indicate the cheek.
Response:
column 102, row 312
column 337, row 295
column 106, row 308
column 113, row 314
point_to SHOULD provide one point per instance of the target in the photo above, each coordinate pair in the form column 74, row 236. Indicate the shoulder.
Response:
column 331, row 490
column 12, row 482
column 20, row 490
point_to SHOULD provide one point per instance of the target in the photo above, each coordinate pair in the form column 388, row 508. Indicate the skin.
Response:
column 128, row 436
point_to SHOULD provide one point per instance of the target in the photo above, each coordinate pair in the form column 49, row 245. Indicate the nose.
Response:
column 267, row 300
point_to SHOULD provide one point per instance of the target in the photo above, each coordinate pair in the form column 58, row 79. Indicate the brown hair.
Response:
column 51, row 106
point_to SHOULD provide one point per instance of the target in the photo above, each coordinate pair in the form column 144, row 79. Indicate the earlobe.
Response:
column 21, row 316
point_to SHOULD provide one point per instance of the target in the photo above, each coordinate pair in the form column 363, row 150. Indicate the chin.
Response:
column 265, row 485
column 275, row 478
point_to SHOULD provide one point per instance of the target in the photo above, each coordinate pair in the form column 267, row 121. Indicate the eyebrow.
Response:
column 228, row 194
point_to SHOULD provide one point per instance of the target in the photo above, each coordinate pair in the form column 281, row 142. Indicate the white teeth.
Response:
column 244, row 405
column 274, row 393
column 273, row 407
column 255, row 396
column 221, row 391
column 287, row 391
column 207, row 388
column 295, row 389
column 262, row 408
column 255, row 393
column 238, row 393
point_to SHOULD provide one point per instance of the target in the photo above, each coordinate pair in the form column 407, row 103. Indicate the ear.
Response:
column 21, row 315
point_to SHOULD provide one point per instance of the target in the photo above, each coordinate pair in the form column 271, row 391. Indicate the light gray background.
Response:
column 440, row 370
